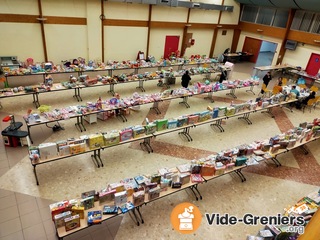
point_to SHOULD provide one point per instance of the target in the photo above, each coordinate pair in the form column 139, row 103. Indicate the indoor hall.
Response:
column 25, row 212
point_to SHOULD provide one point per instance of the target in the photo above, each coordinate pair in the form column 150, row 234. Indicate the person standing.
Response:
column 267, row 78
column 185, row 79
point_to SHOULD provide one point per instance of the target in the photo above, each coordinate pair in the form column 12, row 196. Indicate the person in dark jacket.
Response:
column 312, row 95
column 185, row 79
column 267, row 78
column 223, row 75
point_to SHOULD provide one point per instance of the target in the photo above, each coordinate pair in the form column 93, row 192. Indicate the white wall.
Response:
column 300, row 56
column 203, row 39
column 158, row 39
column 231, row 17
column 67, row 41
column 123, row 43
column 126, row 11
column 169, row 14
column 223, row 41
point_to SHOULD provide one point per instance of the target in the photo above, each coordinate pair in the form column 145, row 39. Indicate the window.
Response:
column 316, row 24
column 306, row 21
column 280, row 18
column 249, row 13
column 266, row 16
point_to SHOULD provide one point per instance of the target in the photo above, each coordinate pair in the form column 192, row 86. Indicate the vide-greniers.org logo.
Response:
column 186, row 218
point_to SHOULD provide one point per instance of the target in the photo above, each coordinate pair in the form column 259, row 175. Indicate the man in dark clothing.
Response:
column 223, row 75
column 267, row 78
column 185, row 79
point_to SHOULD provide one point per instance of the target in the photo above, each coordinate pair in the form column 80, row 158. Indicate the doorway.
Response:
column 266, row 53
column 263, row 51
column 171, row 45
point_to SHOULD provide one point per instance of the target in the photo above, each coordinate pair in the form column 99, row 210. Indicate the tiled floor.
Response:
column 24, row 205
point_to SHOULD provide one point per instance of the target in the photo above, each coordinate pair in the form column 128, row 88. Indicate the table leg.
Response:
column 218, row 125
column 111, row 89
column 146, row 144
column 156, row 107
column 210, row 96
column 251, row 90
column 186, row 133
column 35, row 174
column 79, row 123
column 95, row 159
column 185, row 101
column 246, row 118
column 232, row 93
column 29, row 133
column 240, row 174
column 141, row 85
column 77, row 94
column 196, row 192
column 36, row 99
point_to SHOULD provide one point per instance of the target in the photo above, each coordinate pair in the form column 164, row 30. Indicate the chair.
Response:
column 265, row 90
column 314, row 89
column 310, row 104
column 284, row 81
column 276, row 89
column 317, row 102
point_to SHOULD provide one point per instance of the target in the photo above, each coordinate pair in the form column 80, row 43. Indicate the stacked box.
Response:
column 222, row 111
column 138, row 198
column 77, row 148
column 78, row 210
column 95, row 141
column 59, row 218
column 196, row 178
column 184, row 178
column 192, row 119
column 172, row 123
column 156, row 178
column 48, row 150
column 87, row 203
column 230, row 166
column 164, row 184
column 230, row 111
column 106, row 196
column 94, row 217
column 130, row 186
column 241, row 160
column 72, row 222
column 162, row 124
column 151, row 128
column 64, row 150
column 57, row 208
column 111, row 138
column 219, row 170
column 215, row 113
column 207, row 170
column 126, row 134
column 119, row 187
column 120, row 198
column 138, row 131
column 182, row 121
column 103, row 116
column 205, row 115
column 154, row 193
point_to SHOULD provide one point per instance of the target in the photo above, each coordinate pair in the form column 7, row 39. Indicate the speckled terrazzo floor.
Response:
column 267, row 190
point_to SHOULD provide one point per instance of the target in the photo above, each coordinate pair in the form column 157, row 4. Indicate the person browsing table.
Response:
column 185, row 79
column 267, row 78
